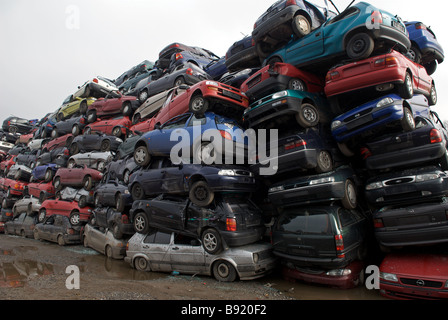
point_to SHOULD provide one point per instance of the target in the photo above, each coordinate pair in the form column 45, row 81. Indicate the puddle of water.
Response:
column 16, row 274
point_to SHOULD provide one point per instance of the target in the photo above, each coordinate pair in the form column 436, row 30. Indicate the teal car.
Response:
column 309, row 109
column 356, row 33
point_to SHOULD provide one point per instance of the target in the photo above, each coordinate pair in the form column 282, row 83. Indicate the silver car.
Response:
column 94, row 160
column 28, row 205
column 104, row 242
column 82, row 196
column 168, row 252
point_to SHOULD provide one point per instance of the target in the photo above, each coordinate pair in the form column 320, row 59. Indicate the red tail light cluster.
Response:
column 435, row 136
column 339, row 245
column 295, row 144
column 179, row 56
column 95, row 80
column 378, row 223
column 377, row 17
column 420, row 26
column 291, row 3
column 230, row 224
column 365, row 153
column 225, row 135
column 189, row 71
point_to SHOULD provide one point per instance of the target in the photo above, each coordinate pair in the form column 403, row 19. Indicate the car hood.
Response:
column 417, row 265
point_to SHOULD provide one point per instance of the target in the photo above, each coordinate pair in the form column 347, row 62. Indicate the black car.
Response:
column 22, row 225
column 57, row 228
column 17, row 125
column 142, row 67
column 236, row 79
column 94, row 142
column 58, row 156
column 407, row 186
column 327, row 237
column 242, row 54
column 109, row 218
column 411, row 225
column 73, row 125
column 228, row 222
column 298, row 149
column 8, row 136
column 166, row 53
column 28, row 157
column 128, row 146
column 198, row 181
column 113, row 193
column 339, row 185
column 122, row 169
column 427, row 144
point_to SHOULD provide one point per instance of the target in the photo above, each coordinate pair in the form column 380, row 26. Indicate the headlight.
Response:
column 374, row 186
column 339, row 272
column 385, row 102
column 280, row 94
column 118, row 140
column 426, row 177
column 276, row 189
column 226, row 172
column 126, row 191
column 336, row 124
column 212, row 83
column 255, row 257
column 321, row 181
column 446, row 284
column 388, row 276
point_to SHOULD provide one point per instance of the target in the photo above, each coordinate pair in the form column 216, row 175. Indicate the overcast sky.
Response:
column 50, row 47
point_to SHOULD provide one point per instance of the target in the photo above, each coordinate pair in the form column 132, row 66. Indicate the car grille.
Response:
column 263, row 255
column 422, row 283
column 253, row 82
column 399, row 181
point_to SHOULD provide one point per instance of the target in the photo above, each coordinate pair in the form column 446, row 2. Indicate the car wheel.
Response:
column 141, row 156
column 431, row 67
column 408, row 121
column 179, row 81
column 433, row 95
column 349, row 201
column 206, row 153
column 200, row 194
column 116, row 132
column 74, row 148
column 75, row 130
column 143, row 96
column 54, row 134
column 42, row 197
column 75, row 218
column 301, row 26
column 116, row 232
column 101, row 166
column 211, row 240
column 415, row 54
column 224, row 271
column 105, row 146
column 263, row 49
column 141, row 224
column 108, row 252
column 198, row 105
column 324, row 162
column 136, row 118
column 83, row 107
column 406, row 89
column 71, row 164
column 61, row 241
column 42, row 215
column 296, row 84
column 126, row 176
column 273, row 61
column 12, row 130
column 308, row 116
column 141, row 264
column 60, row 117
column 127, row 109
column 87, row 183
column 137, row 192
column 82, row 203
column 29, row 209
column 36, row 235
column 119, row 203
column 91, row 116
column 360, row 46
column 48, row 175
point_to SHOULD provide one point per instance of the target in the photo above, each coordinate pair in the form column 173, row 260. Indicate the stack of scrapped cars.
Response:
column 311, row 145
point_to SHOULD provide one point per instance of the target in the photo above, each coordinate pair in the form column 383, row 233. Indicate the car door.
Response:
column 151, row 179
column 180, row 102
column 161, row 144
column 168, row 213
column 156, row 246
column 46, row 228
column 173, row 178
column 187, row 255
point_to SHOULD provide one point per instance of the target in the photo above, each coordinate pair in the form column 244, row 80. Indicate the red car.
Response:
column 113, row 104
column 116, row 126
column 279, row 77
column 384, row 72
column 13, row 187
column 63, row 141
column 42, row 191
column 69, row 209
column 77, row 177
column 414, row 276
column 7, row 163
column 201, row 97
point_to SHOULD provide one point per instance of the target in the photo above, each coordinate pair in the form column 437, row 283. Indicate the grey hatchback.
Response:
column 167, row 252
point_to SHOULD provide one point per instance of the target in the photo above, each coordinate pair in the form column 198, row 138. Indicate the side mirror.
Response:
column 184, row 87
column 157, row 126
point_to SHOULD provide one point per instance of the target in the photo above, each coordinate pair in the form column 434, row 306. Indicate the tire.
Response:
column 211, row 241
column 273, row 61
column 60, row 117
column 83, row 108
column 296, row 84
column 141, row 223
column 116, row 232
column 433, row 95
column 179, row 81
column 61, row 241
column 101, row 166
column 349, row 201
column 408, row 121
column 360, row 46
column 136, row 119
column 75, row 219
column 324, row 162
column 74, row 148
column 198, row 105
column 308, row 116
column 116, row 132
column 301, row 26
column 126, row 177
column 108, row 252
column 127, row 109
column 57, row 183
column 142, row 157
column 42, row 215
column 82, row 203
column 207, row 149
column 137, row 192
column 87, row 131
column 29, row 209
column 54, row 134
column 105, row 146
column 87, row 183
column 223, row 271
column 91, row 116
column 119, row 203
column 431, row 67
column 42, row 197
column 141, row 264
column 345, row 150
column 200, row 194
column 75, row 130
column 415, row 54
column 406, row 89
column 71, row 164
column 143, row 96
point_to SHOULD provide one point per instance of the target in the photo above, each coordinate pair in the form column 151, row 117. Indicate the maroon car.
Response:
column 77, row 177
column 69, row 209
column 113, row 104
column 63, row 141
column 117, row 126
column 42, row 191
column 411, row 276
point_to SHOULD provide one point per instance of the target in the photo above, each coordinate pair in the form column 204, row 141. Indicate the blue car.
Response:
column 425, row 50
column 190, row 132
column 242, row 54
column 45, row 172
column 367, row 119
column 355, row 33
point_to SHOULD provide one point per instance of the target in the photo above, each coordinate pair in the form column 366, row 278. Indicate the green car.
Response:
column 309, row 109
column 72, row 106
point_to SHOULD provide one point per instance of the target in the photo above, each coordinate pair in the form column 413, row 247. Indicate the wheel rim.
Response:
column 137, row 192
column 302, row 25
column 116, row 132
column 433, row 95
column 87, row 183
column 75, row 219
column 140, row 155
column 42, row 215
column 143, row 96
column 201, row 193
column 210, row 242
column 309, row 114
column 410, row 119
column 141, row 264
column 297, row 84
column 359, row 46
column 126, row 177
column 351, row 194
column 140, row 223
column 101, row 166
column 325, row 160
column 223, row 270
column 206, row 154
column 118, row 203
column 197, row 104
column 409, row 86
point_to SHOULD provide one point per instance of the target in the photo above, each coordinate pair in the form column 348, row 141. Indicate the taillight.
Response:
column 179, row 56
column 70, row 231
column 389, row 61
column 66, row 152
column 225, row 135
column 435, row 136
column 291, row 3
column 378, row 223
column 9, row 214
column 377, row 17
column 189, row 71
column 365, row 153
column 339, row 245
column 82, row 121
column 95, row 80
column 127, row 246
column 333, row 75
column 420, row 26
column 295, row 144
column 124, row 219
column 230, row 224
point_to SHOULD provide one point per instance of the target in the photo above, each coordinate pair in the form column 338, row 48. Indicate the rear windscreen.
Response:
column 304, row 223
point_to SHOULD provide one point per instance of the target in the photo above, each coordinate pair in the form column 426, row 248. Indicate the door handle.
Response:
column 175, row 248
column 318, row 34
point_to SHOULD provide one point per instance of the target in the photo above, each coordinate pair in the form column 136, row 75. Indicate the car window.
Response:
column 350, row 12
column 420, row 122
column 186, row 240
column 158, row 237
column 347, row 217
column 197, row 121
column 178, row 122
column 305, row 222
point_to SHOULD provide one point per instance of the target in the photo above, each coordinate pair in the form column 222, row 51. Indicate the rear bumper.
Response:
column 241, row 238
column 391, row 237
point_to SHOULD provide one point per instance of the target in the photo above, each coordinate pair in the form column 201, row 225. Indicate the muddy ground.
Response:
column 36, row 270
